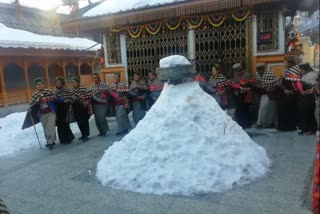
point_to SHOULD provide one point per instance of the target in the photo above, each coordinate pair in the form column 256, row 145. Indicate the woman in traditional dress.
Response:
column 64, row 109
column 119, row 92
column 245, row 99
column 99, row 91
column 81, row 107
column 267, row 115
column 155, row 87
column 288, row 113
column 226, row 90
column 307, row 104
column 43, row 99
column 137, row 92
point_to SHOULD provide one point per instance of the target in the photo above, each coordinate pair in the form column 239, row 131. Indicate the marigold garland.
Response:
column 235, row 15
column 154, row 29
column 175, row 26
column 216, row 22
column 195, row 22
column 135, row 32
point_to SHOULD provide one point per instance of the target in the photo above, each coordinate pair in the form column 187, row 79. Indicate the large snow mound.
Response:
column 185, row 145
column 13, row 139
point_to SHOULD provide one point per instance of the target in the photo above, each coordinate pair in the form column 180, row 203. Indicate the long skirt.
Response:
column 288, row 113
column 307, row 106
column 48, row 122
column 138, row 112
column 122, row 118
column 64, row 131
column 81, row 115
column 267, row 115
column 243, row 116
column 100, row 115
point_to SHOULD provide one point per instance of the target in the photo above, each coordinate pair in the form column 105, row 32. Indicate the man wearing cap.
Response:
column 119, row 92
column 81, row 107
column 137, row 92
column 64, row 111
column 267, row 115
column 99, row 91
column 43, row 98
column 307, row 103
column 155, row 87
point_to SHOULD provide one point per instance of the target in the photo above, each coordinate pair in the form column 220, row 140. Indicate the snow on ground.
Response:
column 185, row 145
column 13, row 139
column 13, row 38
column 114, row 6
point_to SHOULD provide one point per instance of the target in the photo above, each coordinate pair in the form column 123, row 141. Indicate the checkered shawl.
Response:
column 220, row 81
column 81, row 91
column 139, row 84
column 45, row 93
column 119, row 87
column 3, row 208
column 100, row 87
column 84, row 95
column 292, row 74
column 268, row 80
column 63, row 92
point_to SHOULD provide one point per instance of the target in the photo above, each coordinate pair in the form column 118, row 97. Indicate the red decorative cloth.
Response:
column 316, row 180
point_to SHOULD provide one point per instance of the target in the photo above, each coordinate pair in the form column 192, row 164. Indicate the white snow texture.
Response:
column 185, row 145
column 13, row 139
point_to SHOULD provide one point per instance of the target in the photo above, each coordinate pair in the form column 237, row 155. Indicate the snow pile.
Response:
column 14, row 139
column 114, row 6
column 185, row 145
column 13, row 38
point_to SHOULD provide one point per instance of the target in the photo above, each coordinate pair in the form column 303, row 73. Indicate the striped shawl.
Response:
column 45, row 93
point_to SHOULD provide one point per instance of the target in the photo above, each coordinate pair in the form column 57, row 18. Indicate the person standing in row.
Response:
column 245, row 97
column 44, row 100
column 288, row 102
column 307, row 104
column 81, row 107
column 225, row 89
column 155, row 87
column 137, row 92
column 64, row 109
column 99, row 91
column 267, row 115
column 119, row 94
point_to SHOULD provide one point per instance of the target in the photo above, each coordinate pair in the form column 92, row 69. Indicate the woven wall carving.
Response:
column 225, row 44
column 144, row 53
column 269, row 22
column 113, row 49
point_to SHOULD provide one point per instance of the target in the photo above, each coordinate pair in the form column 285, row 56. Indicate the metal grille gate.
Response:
column 225, row 44
column 144, row 53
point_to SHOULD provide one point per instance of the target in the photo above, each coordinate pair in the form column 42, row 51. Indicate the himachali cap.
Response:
column 260, row 66
column 76, row 79
column 60, row 78
column 306, row 67
column 291, row 58
column 38, row 80
column 237, row 67
column 137, row 73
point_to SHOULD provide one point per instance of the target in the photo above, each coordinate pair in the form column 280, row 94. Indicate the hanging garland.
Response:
column 240, row 15
column 173, row 24
column 195, row 22
column 154, row 29
column 216, row 21
column 135, row 32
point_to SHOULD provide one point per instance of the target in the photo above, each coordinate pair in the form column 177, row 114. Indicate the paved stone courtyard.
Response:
column 63, row 181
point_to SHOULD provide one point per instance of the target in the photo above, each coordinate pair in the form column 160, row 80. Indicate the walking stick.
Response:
column 35, row 130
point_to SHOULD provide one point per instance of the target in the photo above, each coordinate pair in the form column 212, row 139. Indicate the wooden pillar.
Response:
column 79, row 71
column 3, row 87
column 47, row 73
column 25, row 69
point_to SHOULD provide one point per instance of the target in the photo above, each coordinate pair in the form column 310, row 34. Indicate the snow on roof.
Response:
column 114, row 6
column 14, row 38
